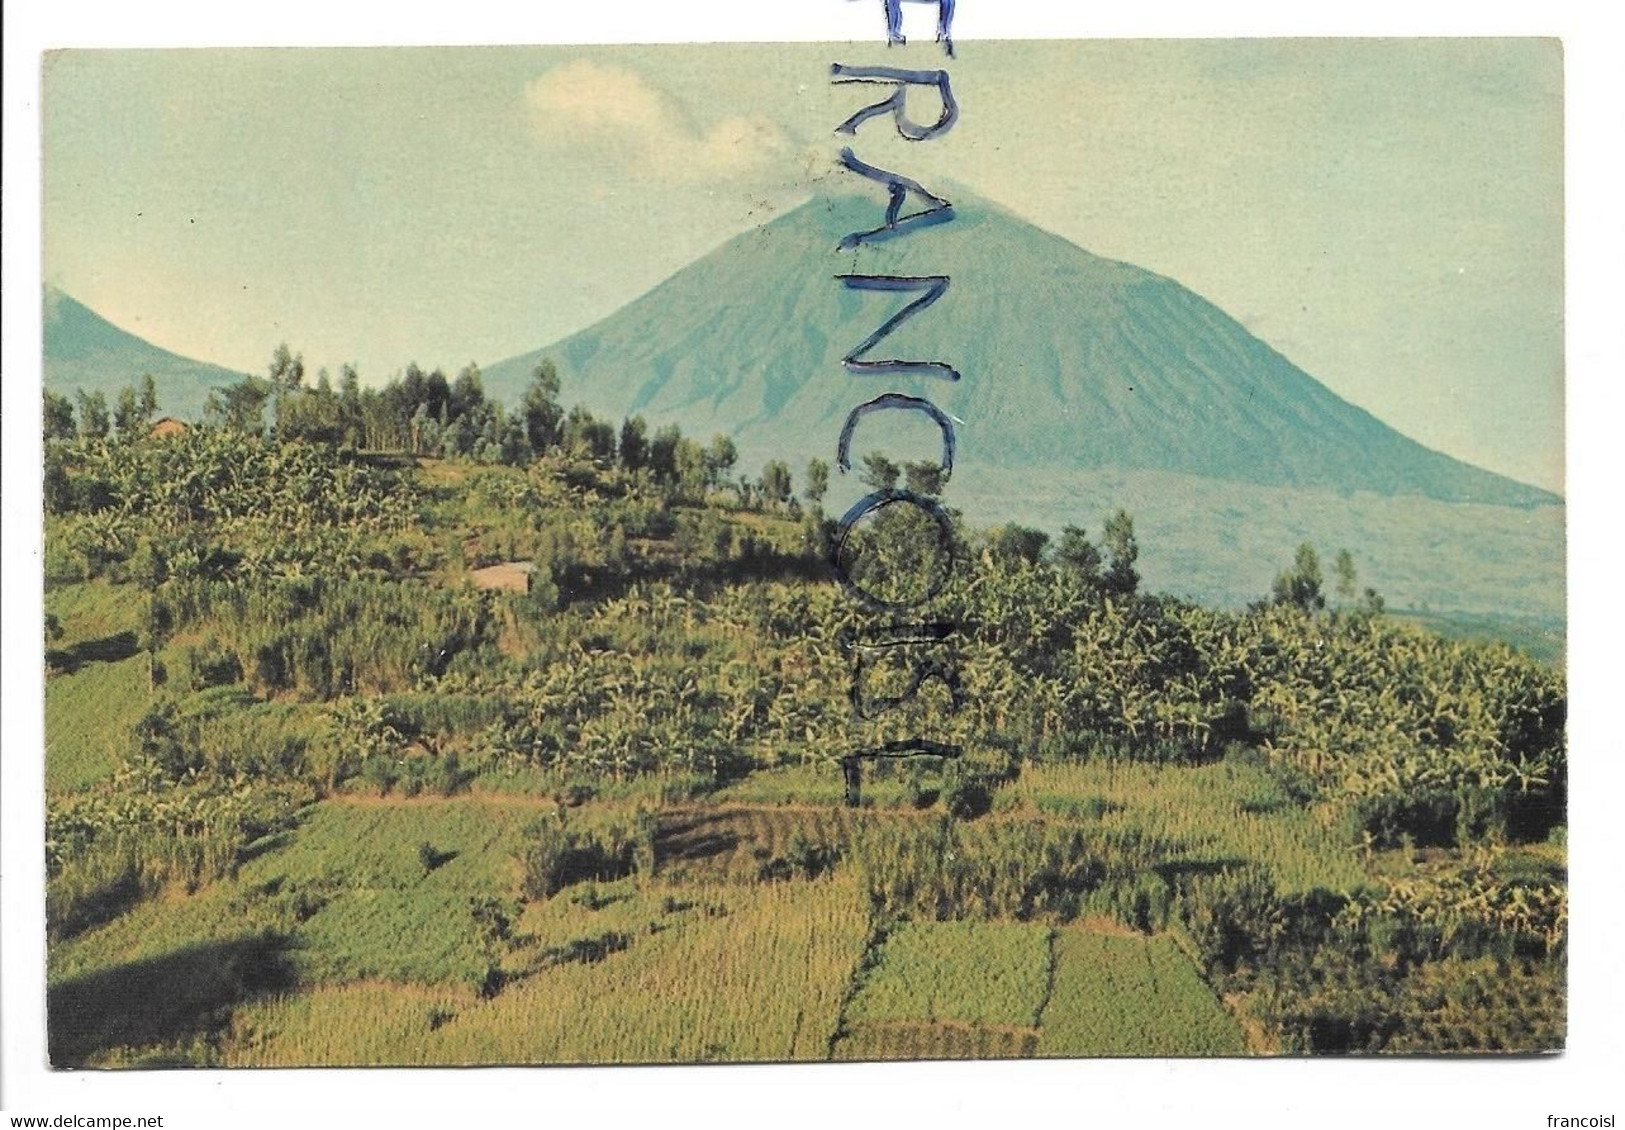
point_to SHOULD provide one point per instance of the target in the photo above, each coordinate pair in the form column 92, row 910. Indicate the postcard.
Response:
column 763, row 552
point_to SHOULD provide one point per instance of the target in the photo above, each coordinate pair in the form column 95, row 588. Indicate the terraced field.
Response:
column 88, row 716
column 1118, row 995
column 346, row 890
column 1227, row 813
column 752, row 973
column 745, row 843
column 1010, row 990
column 977, row 973
column 738, row 842
column 342, row 942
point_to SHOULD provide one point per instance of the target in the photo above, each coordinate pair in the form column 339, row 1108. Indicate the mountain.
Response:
column 1087, row 385
column 85, row 351
column 1070, row 362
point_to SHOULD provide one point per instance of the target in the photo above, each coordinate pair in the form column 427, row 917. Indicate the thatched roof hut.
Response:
column 167, row 426
column 509, row 576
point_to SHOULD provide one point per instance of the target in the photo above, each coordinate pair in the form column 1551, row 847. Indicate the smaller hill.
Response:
column 85, row 351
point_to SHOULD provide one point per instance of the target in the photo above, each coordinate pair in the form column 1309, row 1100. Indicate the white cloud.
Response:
column 633, row 123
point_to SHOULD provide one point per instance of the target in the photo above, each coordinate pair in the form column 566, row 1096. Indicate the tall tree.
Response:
column 634, row 443
column 93, row 420
column 544, row 416
column 586, row 436
column 148, row 407
column 311, row 414
column 1077, row 555
column 776, row 481
column 693, row 468
column 287, row 370
column 1343, row 569
column 460, row 436
column 350, row 420
column 240, row 407
column 58, row 419
column 816, row 482
column 126, row 413
column 880, row 473
column 513, row 443
column 467, row 391
column 663, row 453
column 410, row 394
column 1121, row 551
column 437, row 396
column 1299, row 586
column 720, row 457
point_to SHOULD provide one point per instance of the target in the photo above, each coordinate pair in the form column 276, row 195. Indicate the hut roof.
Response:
column 510, row 576
column 167, row 426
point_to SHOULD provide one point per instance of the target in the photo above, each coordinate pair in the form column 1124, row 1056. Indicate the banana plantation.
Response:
column 312, row 638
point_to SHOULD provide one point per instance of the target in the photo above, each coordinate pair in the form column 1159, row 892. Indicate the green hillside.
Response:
column 316, row 796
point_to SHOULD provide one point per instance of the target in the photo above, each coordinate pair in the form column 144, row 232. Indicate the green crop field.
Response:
column 1231, row 812
column 947, row 989
column 990, row 973
column 90, row 611
column 742, row 974
column 88, row 715
column 999, row 990
column 1131, row 995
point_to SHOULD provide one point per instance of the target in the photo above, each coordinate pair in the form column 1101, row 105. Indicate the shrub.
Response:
column 214, row 665
column 559, row 856
column 445, row 775
column 411, row 775
column 1430, row 819
column 969, row 797
column 380, row 773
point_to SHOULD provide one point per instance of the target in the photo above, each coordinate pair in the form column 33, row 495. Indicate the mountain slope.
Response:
column 1070, row 362
column 85, row 351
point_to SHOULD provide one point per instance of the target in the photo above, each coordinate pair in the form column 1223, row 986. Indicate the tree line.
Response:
column 131, row 414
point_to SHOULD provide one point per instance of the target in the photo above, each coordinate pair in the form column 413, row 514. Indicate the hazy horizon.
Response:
column 1387, row 214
